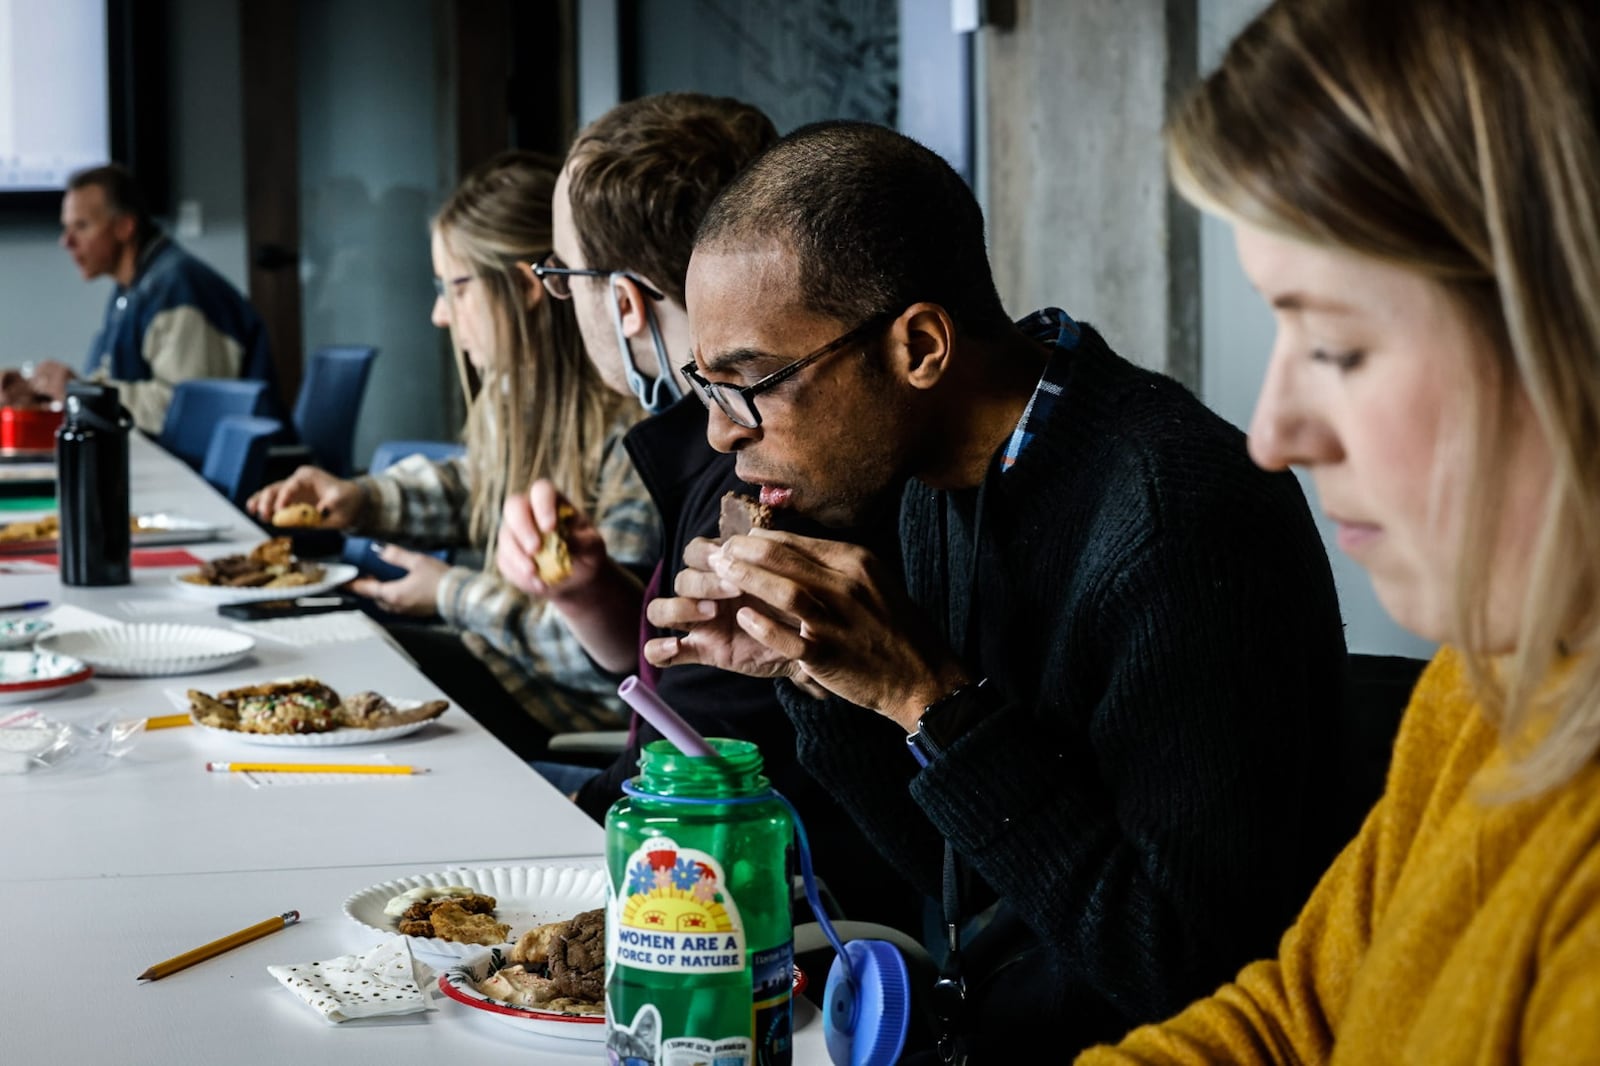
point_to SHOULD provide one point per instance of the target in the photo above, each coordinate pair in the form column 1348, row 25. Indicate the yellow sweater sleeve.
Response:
column 1287, row 1009
column 1562, row 1021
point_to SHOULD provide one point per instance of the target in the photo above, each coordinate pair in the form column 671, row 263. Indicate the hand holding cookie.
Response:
column 309, row 498
column 546, row 546
column 297, row 516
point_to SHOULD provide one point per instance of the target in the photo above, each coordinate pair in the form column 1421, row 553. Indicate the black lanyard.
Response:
column 950, row 989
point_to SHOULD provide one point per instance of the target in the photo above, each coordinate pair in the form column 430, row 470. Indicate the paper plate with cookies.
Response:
column 269, row 571
column 460, row 913
column 302, row 712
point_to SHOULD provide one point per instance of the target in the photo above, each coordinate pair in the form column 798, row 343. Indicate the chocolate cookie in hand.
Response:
column 741, row 514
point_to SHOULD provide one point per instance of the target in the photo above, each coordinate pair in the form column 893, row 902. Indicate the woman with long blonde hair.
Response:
column 1414, row 187
column 536, row 409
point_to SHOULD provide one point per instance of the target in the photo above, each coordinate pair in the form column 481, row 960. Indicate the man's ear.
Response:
column 921, row 341
column 533, row 291
column 124, row 227
column 631, row 303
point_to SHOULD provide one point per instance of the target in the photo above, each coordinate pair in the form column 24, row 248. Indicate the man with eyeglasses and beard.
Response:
column 629, row 198
column 1092, row 711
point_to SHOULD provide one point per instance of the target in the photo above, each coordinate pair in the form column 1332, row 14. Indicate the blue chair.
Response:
column 236, row 460
column 197, row 406
column 330, row 400
column 390, row 452
column 357, row 551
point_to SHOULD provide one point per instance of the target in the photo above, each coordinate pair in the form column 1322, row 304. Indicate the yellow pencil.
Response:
column 311, row 768
column 167, row 721
column 217, row 947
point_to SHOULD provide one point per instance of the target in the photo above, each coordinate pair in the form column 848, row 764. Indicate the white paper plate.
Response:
column 525, row 896
column 333, row 738
column 20, row 632
column 151, row 649
column 26, row 676
column 334, row 575
column 460, row 983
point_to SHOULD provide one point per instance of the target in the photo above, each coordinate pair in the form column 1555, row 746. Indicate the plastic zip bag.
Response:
column 30, row 741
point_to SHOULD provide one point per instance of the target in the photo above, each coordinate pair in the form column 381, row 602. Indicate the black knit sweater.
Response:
column 1159, row 629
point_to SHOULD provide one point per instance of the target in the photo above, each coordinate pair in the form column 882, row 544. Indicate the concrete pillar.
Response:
column 1081, row 214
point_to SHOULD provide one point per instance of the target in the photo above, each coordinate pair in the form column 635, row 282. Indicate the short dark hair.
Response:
column 122, row 193
column 641, row 176
column 878, row 221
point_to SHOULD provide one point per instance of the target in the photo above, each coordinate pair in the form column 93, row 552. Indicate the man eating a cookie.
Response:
column 624, row 267
column 1092, row 712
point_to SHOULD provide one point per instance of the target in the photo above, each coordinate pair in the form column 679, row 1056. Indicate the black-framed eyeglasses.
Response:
column 451, row 287
column 556, row 277
column 739, row 402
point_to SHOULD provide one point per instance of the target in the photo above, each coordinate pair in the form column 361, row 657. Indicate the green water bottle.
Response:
column 699, row 931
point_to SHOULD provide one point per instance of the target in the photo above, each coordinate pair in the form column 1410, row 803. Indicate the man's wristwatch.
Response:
column 944, row 720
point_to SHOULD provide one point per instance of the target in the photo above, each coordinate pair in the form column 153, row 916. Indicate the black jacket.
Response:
column 1145, row 792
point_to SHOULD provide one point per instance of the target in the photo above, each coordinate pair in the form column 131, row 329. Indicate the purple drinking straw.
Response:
column 655, row 711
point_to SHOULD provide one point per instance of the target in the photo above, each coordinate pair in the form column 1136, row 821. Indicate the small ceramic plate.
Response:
column 21, row 632
column 151, row 649
column 26, row 676
column 333, row 575
column 525, row 896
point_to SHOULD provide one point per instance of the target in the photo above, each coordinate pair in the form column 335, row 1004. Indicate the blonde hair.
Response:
column 541, row 409
column 1458, row 139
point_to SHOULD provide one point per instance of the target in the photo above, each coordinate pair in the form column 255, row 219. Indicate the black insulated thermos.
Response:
column 92, row 487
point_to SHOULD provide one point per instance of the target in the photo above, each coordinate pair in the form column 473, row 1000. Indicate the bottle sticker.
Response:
column 641, row 1045
column 773, row 975
column 696, row 1051
column 638, row 1044
column 674, row 914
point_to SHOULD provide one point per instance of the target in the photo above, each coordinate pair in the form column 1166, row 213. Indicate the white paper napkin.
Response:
column 164, row 607
column 69, row 619
column 384, row 980
column 311, row 630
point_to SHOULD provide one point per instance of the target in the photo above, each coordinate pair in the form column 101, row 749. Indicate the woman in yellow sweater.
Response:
column 1414, row 187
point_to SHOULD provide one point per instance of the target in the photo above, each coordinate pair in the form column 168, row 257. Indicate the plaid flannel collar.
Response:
column 1056, row 328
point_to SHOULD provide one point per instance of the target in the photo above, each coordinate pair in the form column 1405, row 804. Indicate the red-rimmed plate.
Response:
column 26, row 676
column 460, row 983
